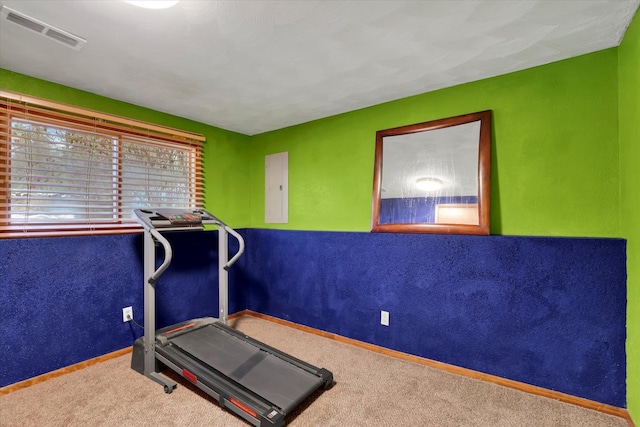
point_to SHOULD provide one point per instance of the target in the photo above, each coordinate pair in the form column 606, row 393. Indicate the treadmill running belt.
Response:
column 276, row 380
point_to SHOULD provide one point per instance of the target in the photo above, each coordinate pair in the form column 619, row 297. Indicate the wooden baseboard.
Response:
column 527, row 388
column 63, row 371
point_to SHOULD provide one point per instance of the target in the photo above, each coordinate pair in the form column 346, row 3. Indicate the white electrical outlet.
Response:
column 384, row 318
column 127, row 314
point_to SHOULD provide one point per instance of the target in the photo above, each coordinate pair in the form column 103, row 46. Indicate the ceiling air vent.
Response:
column 45, row 30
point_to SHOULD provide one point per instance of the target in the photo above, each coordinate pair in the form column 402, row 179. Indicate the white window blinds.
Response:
column 66, row 170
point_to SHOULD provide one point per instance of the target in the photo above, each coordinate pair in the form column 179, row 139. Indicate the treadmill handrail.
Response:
column 147, row 225
column 168, row 255
column 238, row 237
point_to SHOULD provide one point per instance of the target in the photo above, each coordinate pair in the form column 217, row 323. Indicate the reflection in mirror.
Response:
column 433, row 177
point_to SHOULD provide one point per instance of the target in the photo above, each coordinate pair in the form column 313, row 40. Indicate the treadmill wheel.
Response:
column 169, row 389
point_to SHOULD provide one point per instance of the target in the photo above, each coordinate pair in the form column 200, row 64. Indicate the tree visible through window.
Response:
column 66, row 173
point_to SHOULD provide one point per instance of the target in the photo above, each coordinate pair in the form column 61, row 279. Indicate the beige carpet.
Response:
column 370, row 390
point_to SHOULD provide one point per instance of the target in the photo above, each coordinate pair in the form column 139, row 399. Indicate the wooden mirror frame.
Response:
column 484, row 177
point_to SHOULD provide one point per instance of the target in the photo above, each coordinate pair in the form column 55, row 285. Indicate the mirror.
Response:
column 434, row 177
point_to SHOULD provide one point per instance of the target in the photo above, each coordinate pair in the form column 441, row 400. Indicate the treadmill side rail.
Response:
column 165, row 334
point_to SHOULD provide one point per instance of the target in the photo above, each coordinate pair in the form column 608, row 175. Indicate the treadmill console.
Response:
column 174, row 218
column 183, row 218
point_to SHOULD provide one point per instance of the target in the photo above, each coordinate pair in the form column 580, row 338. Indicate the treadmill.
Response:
column 247, row 377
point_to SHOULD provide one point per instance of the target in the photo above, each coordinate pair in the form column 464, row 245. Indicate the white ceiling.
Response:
column 255, row 66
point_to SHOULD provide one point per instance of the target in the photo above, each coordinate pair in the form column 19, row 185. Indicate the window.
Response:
column 65, row 170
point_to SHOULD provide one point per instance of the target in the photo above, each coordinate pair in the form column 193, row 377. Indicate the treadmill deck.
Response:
column 275, row 379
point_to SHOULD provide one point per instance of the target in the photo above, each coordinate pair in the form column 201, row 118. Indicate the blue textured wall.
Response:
column 544, row 311
column 62, row 298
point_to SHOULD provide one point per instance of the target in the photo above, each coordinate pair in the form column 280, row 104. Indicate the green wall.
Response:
column 554, row 159
column 226, row 165
column 629, row 99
